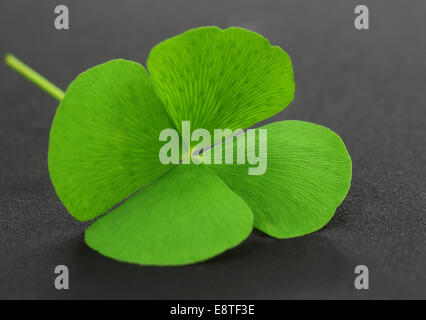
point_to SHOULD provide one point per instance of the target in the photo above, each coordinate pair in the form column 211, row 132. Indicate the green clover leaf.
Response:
column 187, row 215
column 104, row 147
column 218, row 78
column 308, row 176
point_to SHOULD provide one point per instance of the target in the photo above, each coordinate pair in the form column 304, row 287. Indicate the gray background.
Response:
column 368, row 86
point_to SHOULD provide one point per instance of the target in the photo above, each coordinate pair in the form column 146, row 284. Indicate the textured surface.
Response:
column 217, row 78
column 182, row 217
column 104, row 139
column 366, row 86
column 308, row 174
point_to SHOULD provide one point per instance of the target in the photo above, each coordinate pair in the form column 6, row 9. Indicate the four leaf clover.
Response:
column 104, row 148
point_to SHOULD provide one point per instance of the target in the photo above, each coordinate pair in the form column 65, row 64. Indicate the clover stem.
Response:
column 33, row 76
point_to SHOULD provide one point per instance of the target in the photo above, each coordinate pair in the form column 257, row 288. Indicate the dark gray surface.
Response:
column 367, row 86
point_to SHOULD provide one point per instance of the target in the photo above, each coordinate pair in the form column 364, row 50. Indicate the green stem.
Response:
column 33, row 76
